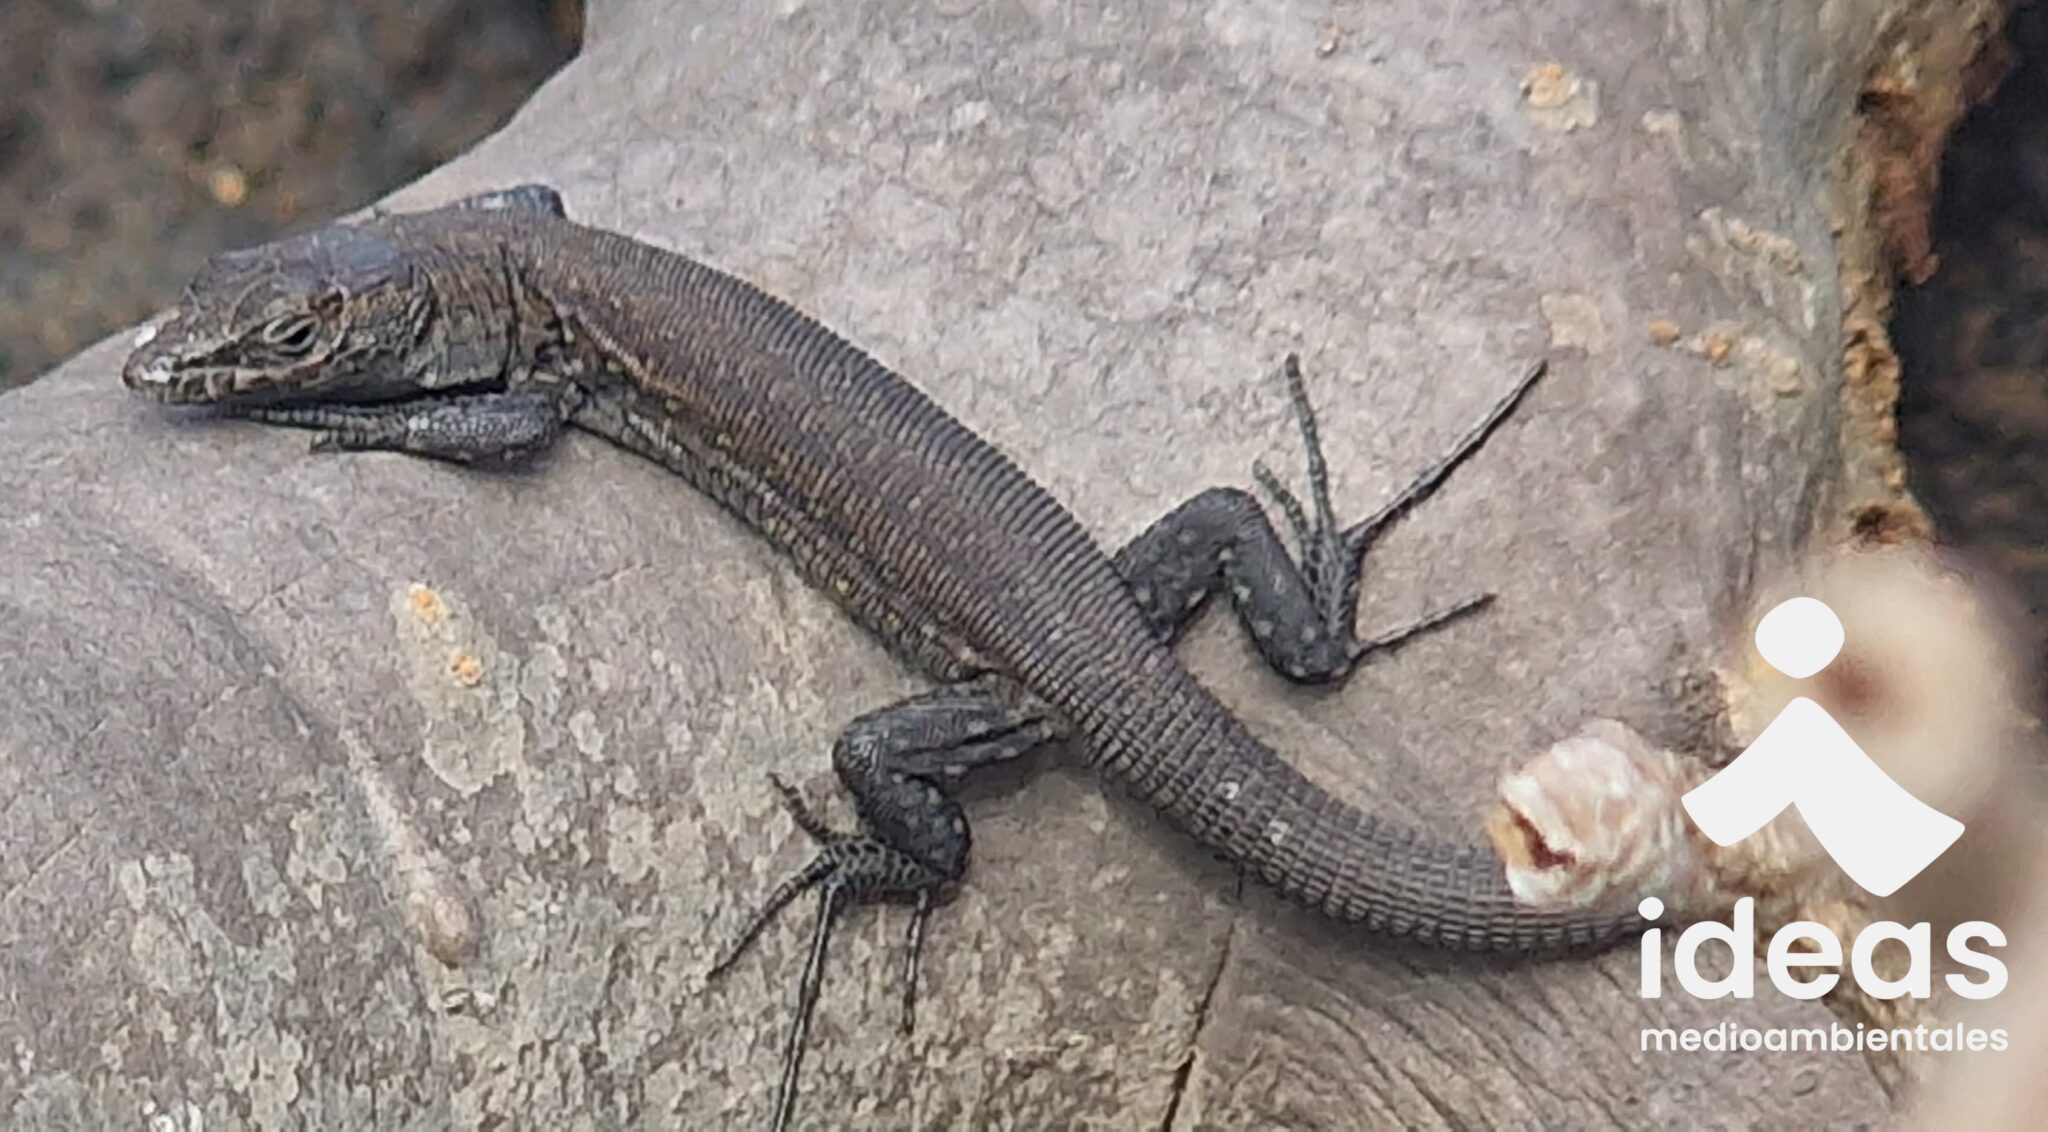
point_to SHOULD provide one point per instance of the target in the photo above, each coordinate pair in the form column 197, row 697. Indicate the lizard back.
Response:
column 931, row 537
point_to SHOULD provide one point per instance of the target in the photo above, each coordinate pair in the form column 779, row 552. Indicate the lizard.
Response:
column 481, row 331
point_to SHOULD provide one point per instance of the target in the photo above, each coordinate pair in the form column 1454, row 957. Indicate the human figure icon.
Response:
column 1879, row 834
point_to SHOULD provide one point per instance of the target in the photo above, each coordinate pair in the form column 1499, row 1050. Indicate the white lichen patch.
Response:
column 133, row 883
column 1668, row 126
column 629, row 842
column 553, row 950
column 268, row 894
column 1769, row 264
column 178, row 949
column 1595, row 821
column 588, row 735
column 626, row 781
column 161, row 957
column 1575, row 321
column 313, row 861
column 177, row 1116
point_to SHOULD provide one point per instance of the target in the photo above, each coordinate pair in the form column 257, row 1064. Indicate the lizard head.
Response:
column 331, row 314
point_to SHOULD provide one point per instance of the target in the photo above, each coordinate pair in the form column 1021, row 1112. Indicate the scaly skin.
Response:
column 477, row 331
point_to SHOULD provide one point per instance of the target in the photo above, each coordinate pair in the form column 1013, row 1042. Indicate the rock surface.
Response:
column 363, row 791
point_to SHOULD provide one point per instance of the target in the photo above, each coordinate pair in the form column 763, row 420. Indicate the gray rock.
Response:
column 359, row 791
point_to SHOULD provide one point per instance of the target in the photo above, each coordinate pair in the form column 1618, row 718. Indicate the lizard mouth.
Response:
column 161, row 369
column 161, row 378
column 164, row 381
column 154, row 371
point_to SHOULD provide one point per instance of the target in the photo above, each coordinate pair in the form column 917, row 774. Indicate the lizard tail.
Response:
column 1208, row 775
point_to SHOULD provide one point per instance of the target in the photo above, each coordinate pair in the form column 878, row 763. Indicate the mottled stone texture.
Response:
column 353, row 791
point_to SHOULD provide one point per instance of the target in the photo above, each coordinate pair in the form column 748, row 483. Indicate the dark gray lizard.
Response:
column 476, row 332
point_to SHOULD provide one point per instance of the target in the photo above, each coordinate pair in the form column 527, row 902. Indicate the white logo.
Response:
column 1880, row 835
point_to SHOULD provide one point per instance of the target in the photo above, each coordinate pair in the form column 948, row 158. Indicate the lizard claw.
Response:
column 848, row 868
column 1332, row 558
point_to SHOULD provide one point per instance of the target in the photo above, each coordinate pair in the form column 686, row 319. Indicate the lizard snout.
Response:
column 152, row 367
column 146, row 374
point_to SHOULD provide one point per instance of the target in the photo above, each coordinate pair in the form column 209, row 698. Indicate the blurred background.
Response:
column 1973, row 339
column 136, row 139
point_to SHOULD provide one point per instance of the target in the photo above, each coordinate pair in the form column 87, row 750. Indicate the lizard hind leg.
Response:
column 1302, row 615
column 1360, row 535
column 914, row 840
column 893, row 760
column 1332, row 559
column 831, row 899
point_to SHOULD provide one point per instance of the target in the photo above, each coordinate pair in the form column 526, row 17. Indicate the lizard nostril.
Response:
column 147, row 368
column 143, row 372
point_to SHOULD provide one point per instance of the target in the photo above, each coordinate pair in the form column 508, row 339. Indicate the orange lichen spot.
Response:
column 1717, row 347
column 466, row 668
column 426, row 604
column 1663, row 331
column 229, row 185
column 1548, row 86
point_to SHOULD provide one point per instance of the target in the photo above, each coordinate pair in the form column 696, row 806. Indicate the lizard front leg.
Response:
column 465, row 428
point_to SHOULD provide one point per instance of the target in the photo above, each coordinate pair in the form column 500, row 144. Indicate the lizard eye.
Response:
column 291, row 336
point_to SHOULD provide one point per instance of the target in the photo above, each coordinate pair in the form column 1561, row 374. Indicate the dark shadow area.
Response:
column 1973, row 417
column 136, row 139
